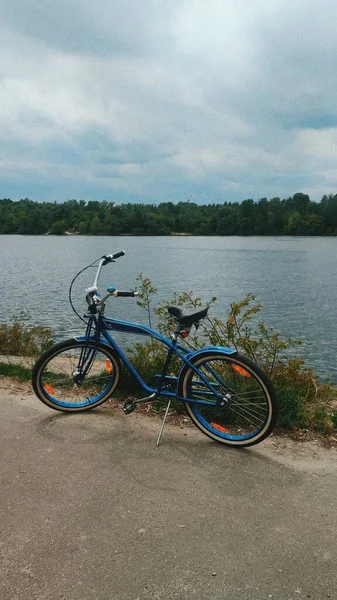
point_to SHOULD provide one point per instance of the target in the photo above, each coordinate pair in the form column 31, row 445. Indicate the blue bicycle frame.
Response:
column 101, row 327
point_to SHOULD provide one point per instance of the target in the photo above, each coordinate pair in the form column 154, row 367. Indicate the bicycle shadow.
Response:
column 131, row 445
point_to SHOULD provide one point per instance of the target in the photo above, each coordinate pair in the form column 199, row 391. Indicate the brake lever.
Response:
column 107, row 259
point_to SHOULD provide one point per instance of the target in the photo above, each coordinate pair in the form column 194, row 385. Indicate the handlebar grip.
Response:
column 118, row 254
column 108, row 258
column 125, row 294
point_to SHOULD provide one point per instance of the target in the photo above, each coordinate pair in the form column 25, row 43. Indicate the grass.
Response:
column 16, row 371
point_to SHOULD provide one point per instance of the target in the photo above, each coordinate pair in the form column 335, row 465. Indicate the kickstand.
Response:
column 163, row 422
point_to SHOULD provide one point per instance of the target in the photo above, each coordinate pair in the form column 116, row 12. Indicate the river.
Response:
column 294, row 277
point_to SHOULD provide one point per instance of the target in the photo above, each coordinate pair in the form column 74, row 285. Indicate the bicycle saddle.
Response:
column 187, row 316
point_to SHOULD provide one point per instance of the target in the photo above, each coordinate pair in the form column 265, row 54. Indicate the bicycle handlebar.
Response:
column 118, row 254
column 110, row 257
column 92, row 298
column 125, row 294
column 107, row 258
column 91, row 291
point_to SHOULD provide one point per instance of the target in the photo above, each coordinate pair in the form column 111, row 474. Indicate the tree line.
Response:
column 297, row 215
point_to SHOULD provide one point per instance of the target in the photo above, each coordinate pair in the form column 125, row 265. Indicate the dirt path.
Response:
column 92, row 510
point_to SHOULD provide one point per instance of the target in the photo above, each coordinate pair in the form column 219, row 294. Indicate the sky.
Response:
column 156, row 101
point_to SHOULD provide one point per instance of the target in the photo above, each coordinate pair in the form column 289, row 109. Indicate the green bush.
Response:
column 291, row 410
column 18, row 338
column 304, row 400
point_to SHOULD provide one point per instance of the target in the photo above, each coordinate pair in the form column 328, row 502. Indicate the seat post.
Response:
column 176, row 333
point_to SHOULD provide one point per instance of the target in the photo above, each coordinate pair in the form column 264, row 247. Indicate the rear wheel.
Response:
column 74, row 376
column 240, row 406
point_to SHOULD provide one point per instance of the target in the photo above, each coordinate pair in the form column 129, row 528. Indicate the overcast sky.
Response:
column 153, row 100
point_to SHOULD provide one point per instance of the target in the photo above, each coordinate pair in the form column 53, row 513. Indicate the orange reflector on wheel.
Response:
column 219, row 427
column 108, row 366
column 48, row 388
column 240, row 370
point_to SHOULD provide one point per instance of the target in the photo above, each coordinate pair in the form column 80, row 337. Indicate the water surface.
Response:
column 294, row 278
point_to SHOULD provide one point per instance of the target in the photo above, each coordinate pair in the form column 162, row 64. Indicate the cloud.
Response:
column 150, row 101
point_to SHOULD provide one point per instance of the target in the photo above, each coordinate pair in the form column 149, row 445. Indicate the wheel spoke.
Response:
column 244, row 414
column 241, row 404
column 64, row 382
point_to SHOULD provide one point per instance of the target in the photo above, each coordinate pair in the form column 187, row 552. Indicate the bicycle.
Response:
column 226, row 395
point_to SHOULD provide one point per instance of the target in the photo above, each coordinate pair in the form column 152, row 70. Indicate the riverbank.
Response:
column 21, row 388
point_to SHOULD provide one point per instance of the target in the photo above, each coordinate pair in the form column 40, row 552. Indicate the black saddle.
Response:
column 187, row 316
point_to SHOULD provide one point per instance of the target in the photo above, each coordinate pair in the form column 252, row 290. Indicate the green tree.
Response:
column 247, row 217
column 58, row 228
column 300, row 203
column 294, row 225
column 82, row 228
column 314, row 225
column 329, row 213
column 95, row 227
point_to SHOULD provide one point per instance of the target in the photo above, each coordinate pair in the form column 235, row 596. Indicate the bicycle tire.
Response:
column 58, row 383
column 253, row 405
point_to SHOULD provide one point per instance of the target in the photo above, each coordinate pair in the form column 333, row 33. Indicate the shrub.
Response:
column 18, row 338
column 304, row 400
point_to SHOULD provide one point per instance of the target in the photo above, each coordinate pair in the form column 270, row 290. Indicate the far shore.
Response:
column 119, row 234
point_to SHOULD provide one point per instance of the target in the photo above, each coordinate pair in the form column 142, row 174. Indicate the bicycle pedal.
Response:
column 128, row 407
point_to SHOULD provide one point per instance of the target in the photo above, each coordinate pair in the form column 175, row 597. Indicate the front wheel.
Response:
column 73, row 376
column 237, row 407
